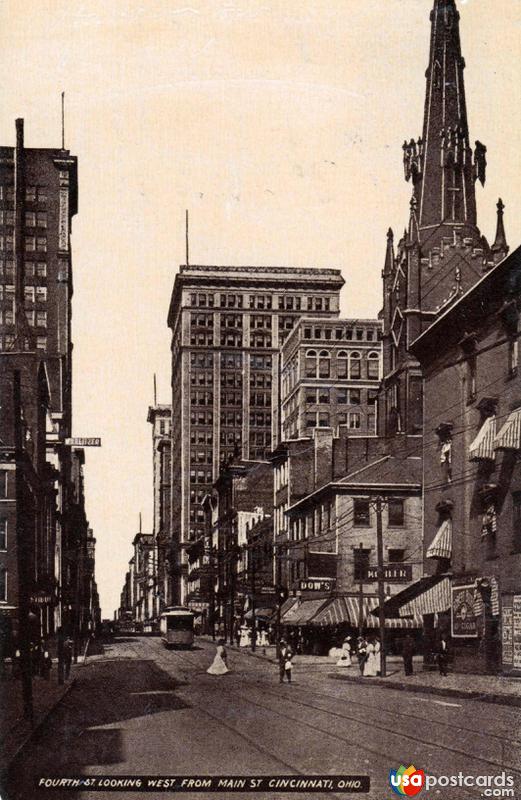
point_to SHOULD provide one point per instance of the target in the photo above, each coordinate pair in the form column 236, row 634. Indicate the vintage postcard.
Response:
column 260, row 408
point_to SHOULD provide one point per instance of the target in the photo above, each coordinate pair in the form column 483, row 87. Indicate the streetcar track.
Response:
column 372, row 751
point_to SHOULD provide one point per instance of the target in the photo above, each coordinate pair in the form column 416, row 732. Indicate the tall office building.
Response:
column 38, row 198
column 228, row 324
column 159, row 417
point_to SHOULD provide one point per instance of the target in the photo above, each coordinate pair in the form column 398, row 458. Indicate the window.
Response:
column 3, row 533
column 311, row 364
column 341, row 396
column 30, row 219
column 29, row 269
column 361, row 563
column 373, row 366
column 311, row 420
column 354, row 397
column 311, row 396
column 3, row 584
column 41, row 219
column 513, row 356
column 324, row 364
column 41, row 319
column 41, row 342
column 395, row 555
column 323, row 419
column 355, row 370
column 30, row 194
column 371, row 422
column 396, row 513
column 30, row 244
column 354, row 421
column 3, row 484
column 41, row 294
column 359, row 335
column 361, row 513
column 9, row 316
column 516, row 521
column 29, row 294
column 372, row 396
column 323, row 396
column 342, row 418
column 341, row 364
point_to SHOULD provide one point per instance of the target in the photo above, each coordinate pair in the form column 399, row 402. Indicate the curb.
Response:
column 498, row 699
column 32, row 733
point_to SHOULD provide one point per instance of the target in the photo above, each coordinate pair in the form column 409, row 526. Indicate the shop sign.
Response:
column 41, row 599
column 516, row 631
column 464, row 624
column 83, row 441
column 316, row 585
column 393, row 573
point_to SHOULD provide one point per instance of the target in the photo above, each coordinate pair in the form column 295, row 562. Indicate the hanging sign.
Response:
column 83, row 441
column 464, row 624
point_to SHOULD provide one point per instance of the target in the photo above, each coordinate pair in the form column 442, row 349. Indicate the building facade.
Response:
column 330, row 376
column 227, row 327
column 159, row 416
column 472, row 500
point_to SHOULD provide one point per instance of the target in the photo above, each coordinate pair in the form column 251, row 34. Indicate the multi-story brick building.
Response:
column 159, row 417
column 472, row 500
column 38, row 198
column 143, row 572
column 227, row 327
column 330, row 376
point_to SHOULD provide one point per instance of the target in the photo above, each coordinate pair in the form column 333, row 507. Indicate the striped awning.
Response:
column 414, row 622
column 509, row 436
column 289, row 609
column 434, row 600
column 335, row 613
column 305, row 612
column 263, row 614
column 353, row 605
column 441, row 545
column 482, row 448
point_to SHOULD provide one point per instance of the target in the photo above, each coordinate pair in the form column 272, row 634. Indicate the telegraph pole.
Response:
column 253, row 609
column 361, row 597
column 380, row 574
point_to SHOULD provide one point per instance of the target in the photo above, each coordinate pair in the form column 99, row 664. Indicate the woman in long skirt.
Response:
column 345, row 653
column 219, row 665
column 370, row 669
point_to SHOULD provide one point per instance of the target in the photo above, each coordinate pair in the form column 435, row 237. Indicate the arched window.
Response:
column 341, row 364
column 373, row 366
column 324, row 364
column 355, row 366
column 310, row 367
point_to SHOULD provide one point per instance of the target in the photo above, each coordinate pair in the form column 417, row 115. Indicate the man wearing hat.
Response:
column 285, row 665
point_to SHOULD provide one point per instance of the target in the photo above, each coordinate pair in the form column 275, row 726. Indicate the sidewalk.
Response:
column 15, row 731
column 485, row 688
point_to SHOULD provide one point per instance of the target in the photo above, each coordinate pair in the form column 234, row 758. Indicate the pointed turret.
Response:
column 389, row 255
column 441, row 164
column 500, row 246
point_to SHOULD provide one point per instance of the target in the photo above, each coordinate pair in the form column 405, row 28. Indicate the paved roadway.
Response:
column 140, row 709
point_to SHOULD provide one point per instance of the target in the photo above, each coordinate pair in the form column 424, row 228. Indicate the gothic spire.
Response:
column 389, row 254
column 440, row 163
column 500, row 244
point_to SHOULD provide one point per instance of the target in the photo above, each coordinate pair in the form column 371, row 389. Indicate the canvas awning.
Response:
column 400, row 604
column 391, row 623
column 509, row 436
column 441, row 545
column 335, row 613
column 482, row 448
column 263, row 614
column 433, row 600
column 287, row 604
column 304, row 613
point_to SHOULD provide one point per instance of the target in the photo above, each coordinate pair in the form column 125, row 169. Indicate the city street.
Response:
column 139, row 709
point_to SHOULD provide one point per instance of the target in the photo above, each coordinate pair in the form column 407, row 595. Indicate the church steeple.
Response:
column 442, row 164
column 500, row 247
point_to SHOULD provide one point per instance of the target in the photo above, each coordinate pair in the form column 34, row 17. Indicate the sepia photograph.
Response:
column 260, row 399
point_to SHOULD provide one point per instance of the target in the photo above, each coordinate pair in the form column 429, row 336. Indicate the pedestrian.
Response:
column 46, row 663
column 443, row 655
column 285, row 661
column 407, row 654
column 237, row 634
column 68, row 645
column 370, row 668
column 345, row 653
column 219, row 665
column 361, row 651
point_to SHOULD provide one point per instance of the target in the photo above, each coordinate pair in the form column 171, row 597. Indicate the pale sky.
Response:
column 279, row 124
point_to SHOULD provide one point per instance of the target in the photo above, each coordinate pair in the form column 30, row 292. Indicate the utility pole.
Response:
column 278, row 589
column 361, row 596
column 380, row 575
column 23, row 560
column 253, row 609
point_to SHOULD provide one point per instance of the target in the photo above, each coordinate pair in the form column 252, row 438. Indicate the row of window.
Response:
column 325, row 396
column 7, row 342
column 353, row 419
column 32, row 244
column 348, row 365
column 34, row 318
column 33, row 194
column 33, row 219
column 32, row 293
column 340, row 334
column 261, row 302
column 32, row 269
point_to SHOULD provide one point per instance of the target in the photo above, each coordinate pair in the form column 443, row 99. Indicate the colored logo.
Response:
column 407, row 782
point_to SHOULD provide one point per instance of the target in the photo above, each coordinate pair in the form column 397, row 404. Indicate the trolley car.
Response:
column 177, row 627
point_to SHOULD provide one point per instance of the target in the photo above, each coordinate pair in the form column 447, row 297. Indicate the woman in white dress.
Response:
column 219, row 665
column 370, row 668
column 245, row 639
column 345, row 653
